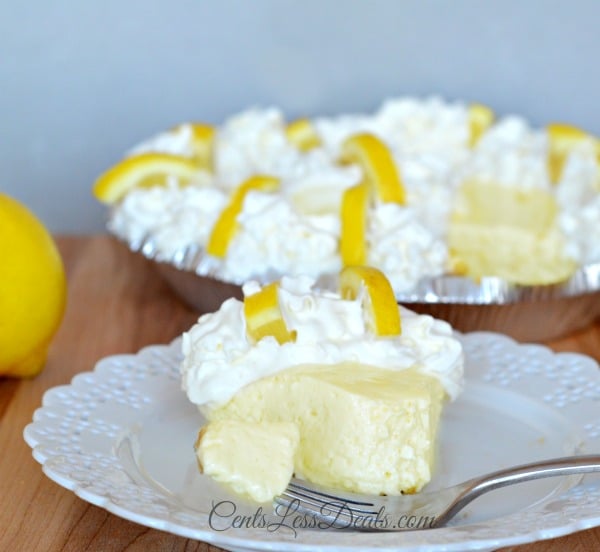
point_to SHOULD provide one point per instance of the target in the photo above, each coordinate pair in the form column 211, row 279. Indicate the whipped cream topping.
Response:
column 177, row 141
column 254, row 142
column 409, row 126
column 580, row 227
column 402, row 247
column 273, row 234
column 219, row 359
column 578, row 194
column 174, row 217
column 511, row 153
column 297, row 231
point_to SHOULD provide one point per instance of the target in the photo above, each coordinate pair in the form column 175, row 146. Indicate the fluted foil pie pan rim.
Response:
column 443, row 289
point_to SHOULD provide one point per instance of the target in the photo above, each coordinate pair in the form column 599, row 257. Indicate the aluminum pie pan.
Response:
column 526, row 313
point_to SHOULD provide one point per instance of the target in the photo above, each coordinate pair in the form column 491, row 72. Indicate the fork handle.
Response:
column 568, row 465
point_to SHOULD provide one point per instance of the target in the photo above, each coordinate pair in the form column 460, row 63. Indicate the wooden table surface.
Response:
column 118, row 304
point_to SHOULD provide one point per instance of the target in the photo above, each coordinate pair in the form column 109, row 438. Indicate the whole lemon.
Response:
column 32, row 290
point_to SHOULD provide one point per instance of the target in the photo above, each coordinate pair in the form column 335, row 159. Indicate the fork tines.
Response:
column 338, row 510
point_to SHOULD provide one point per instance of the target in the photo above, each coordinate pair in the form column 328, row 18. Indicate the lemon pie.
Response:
column 349, row 386
column 393, row 189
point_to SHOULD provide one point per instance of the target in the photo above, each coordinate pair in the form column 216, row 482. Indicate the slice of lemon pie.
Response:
column 344, row 389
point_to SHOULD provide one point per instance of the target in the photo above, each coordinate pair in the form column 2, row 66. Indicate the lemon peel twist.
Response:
column 227, row 226
column 381, row 180
column 562, row 140
column 481, row 118
column 263, row 316
column 379, row 301
column 303, row 134
column 378, row 166
column 142, row 171
column 203, row 141
column 353, row 246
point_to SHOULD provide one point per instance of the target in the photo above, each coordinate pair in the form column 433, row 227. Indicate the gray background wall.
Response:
column 82, row 81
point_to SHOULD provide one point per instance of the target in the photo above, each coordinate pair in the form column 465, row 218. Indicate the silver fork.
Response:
column 425, row 510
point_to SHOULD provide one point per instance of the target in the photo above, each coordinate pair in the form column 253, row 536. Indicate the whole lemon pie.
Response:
column 415, row 189
column 344, row 389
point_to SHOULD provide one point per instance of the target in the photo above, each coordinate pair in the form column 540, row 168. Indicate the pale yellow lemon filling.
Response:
column 361, row 428
column 503, row 231
column 254, row 460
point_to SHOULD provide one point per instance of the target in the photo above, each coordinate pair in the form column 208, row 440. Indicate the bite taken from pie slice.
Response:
column 500, row 230
column 347, row 390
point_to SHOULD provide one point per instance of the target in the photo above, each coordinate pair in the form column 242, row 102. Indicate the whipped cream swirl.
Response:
column 219, row 359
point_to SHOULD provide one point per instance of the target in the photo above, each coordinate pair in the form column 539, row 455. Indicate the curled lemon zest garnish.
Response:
column 481, row 118
column 563, row 138
column 353, row 242
column 378, row 166
column 263, row 316
column 302, row 134
column 143, row 171
column 203, row 138
column 379, row 301
column 226, row 226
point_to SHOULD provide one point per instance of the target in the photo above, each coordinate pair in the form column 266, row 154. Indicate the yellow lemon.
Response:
column 143, row 171
column 481, row 118
column 32, row 290
column 378, row 166
column 562, row 139
column 226, row 226
column 263, row 315
column 353, row 241
column 379, row 301
column 303, row 134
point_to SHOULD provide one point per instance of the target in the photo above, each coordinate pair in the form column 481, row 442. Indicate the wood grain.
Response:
column 117, row 304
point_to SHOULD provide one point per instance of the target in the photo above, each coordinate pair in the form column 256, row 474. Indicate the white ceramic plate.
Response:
column 122, row 437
